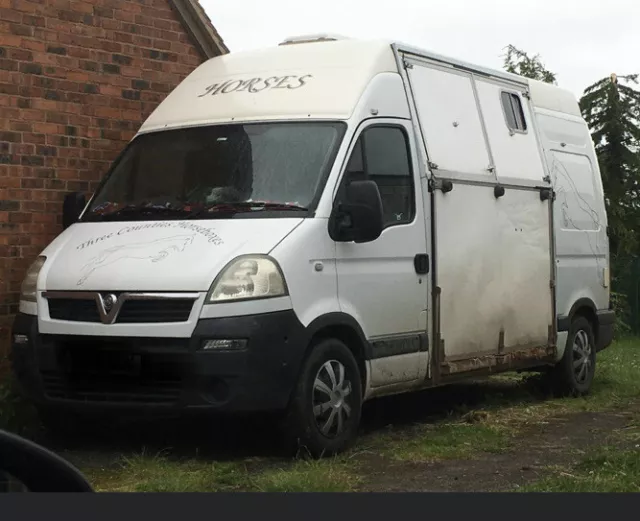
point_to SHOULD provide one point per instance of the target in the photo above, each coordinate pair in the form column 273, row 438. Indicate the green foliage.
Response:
column 620, row 304
column 611, row 108
column 519, row 62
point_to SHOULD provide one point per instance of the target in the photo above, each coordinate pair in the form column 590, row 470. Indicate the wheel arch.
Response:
column 584, row 307
column 345, row 328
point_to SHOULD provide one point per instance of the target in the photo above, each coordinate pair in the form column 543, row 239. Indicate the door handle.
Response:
column 421, row 263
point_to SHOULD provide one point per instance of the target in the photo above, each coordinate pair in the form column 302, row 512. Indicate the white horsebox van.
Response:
column 306, row 227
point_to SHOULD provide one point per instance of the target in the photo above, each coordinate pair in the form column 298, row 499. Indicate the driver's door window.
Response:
column 381, row 154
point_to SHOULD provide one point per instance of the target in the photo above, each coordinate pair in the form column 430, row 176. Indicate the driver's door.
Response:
column 384, row 284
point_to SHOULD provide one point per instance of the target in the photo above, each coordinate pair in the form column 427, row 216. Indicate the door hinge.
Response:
column 552, row 284
column 432, row 166
column 406, row 64
column 547, row 193
column 526, row 94
column 440, row 184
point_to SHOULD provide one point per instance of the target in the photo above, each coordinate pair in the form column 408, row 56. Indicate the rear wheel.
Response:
column 324, row 413
column 573, row 375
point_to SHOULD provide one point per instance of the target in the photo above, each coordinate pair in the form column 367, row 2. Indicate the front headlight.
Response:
column 28, row 290
column 246, row 278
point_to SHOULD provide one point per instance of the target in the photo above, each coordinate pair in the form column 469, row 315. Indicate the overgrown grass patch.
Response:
column 160, row 473
column 608, row 470
column 445, row 441
column 332, row 475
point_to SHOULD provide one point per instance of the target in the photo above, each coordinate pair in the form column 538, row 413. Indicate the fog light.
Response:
column 20, row 339
column 224, row 345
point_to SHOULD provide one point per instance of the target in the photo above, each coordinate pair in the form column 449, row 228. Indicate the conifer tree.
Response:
column 519, row 62
column 611, row 108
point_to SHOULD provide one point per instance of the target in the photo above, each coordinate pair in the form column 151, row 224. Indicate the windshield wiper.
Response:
column 245, row 206
column 139, row 211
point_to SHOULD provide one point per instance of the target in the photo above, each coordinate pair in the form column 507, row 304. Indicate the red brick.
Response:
column 82, row 7
column 11, row 15
column 33, row 115
column 78, row 76
column 33, row 45
column 63, row 111
column 48, row 128
column 36, row 21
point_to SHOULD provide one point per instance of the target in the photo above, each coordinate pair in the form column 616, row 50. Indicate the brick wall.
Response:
column 77, row 78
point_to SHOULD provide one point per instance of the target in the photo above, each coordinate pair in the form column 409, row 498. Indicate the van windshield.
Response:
column 222, row 171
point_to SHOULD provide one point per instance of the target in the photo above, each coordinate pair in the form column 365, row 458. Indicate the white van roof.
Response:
column 322, row 80
column 312, row 77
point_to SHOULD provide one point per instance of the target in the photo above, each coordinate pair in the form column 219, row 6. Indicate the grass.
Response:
column 309, row 476
column 445, row 441
column 614, row 467
column 507, row 406
column 159, row 473
column 608, row 470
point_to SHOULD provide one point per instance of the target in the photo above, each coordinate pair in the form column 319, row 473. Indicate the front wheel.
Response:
column 573, row 375
column 324, row 413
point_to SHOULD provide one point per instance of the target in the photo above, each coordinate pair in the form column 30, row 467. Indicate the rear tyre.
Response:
column 324, row 413
column 573, row 375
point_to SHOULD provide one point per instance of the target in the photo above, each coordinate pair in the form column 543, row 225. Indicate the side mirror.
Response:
column 72, row 207
column 36, row 468
column 359, row 217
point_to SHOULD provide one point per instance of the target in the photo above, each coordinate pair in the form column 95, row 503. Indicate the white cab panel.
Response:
column 307, row 259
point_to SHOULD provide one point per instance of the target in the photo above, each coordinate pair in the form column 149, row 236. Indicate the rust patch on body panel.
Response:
column 496, row 363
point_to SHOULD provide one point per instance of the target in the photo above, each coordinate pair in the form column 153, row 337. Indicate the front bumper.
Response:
column 163, row 374
column 606, row 320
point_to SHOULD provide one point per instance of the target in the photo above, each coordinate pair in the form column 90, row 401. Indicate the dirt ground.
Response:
column 558, row 442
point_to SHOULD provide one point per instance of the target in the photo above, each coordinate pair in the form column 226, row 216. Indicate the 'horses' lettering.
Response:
column 256, row 85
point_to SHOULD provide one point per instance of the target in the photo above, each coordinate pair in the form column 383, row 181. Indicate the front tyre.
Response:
column 573, row 375
column 324, row 413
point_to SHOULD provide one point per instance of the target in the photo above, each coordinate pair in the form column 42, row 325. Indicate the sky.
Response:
column 582, row 41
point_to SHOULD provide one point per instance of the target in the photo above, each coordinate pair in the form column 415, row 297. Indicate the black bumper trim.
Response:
column 259, row 377
column 606, row 319
column 564, row 323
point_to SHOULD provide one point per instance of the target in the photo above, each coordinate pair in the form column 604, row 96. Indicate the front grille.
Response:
column 115, row 371
column 132, row 311
column 110, row 389
column 74, row 310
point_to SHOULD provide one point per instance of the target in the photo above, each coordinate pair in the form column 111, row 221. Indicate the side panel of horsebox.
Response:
column 493, row 304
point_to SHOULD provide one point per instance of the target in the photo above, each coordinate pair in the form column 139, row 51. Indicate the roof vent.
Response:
column 309, row 38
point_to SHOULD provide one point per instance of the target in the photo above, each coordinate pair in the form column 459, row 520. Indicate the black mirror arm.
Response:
column 72, row 207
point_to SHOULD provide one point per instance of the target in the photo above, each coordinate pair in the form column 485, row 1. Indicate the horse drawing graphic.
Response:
column 154, row 251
